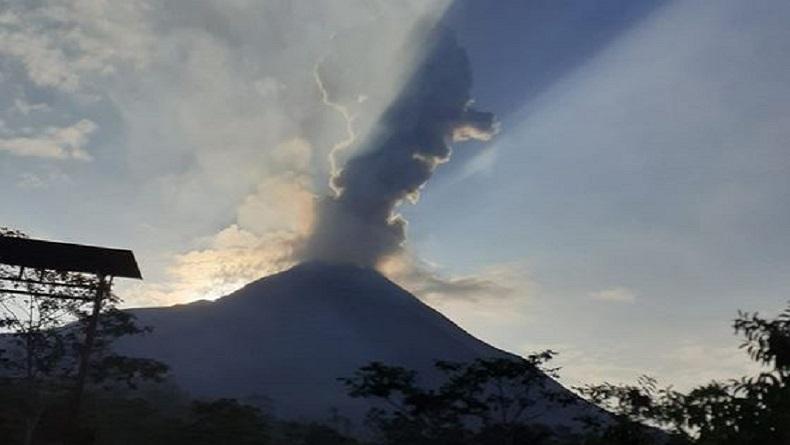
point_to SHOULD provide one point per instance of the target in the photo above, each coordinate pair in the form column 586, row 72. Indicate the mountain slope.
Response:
column 287, row 337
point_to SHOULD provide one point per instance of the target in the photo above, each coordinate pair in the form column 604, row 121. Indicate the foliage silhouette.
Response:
column 42, row 340
column 494, row 400
column 747, row 411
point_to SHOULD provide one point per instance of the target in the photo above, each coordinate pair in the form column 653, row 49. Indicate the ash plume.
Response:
column 359, row 224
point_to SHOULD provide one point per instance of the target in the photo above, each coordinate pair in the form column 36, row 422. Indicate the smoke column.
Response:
column 359, row 224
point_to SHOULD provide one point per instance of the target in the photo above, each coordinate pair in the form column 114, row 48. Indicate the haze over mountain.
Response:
column 283, row 340
column 289, row 337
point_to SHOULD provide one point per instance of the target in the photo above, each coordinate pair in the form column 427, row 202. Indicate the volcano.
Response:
column 283, row 341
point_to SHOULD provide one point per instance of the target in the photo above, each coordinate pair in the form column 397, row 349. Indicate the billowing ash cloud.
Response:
column 359, row 224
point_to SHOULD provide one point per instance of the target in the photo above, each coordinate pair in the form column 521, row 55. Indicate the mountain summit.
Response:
column 286, row 338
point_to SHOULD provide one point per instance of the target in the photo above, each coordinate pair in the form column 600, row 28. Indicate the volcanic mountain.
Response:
column 286, row 339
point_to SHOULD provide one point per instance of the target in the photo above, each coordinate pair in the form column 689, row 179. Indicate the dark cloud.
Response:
column 412, row 138
column 429, row 285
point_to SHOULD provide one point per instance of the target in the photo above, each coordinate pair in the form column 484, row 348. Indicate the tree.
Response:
column 749, row 410
column 297, row 433
column 225, row 421
column 43, row 339
column 633, row 409
column 496, row 400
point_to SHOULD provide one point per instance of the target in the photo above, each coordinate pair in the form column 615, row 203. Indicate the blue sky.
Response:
column 634, row 200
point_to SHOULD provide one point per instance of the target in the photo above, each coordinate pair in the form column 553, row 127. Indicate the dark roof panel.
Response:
column 39, row 254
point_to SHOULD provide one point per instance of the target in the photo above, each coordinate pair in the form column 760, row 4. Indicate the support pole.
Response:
column 102, row 291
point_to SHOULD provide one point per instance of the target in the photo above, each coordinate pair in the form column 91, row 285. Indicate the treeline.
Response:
column 159, row 416
column 502, row 401
column 487, row 401
column 128, row 400
column 498, row 401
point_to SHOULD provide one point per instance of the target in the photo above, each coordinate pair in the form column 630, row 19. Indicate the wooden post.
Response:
column 90, row 337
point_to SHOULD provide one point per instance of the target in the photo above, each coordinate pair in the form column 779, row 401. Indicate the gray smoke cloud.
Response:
column 360, row 224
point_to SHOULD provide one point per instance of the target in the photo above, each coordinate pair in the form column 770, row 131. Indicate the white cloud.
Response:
column 686, row 362
column 53, row 142
column 580, row 367
column 30, row 181
column 45, row 65
column 268, row 87
column 45, row 180
column 234, row 258
column 215, row 118
column 683, row 365
column 24, row 107
column 59, row 44
column 270, row 226
column 615, row 294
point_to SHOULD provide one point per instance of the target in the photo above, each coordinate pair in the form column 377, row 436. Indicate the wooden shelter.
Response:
column 24, row 255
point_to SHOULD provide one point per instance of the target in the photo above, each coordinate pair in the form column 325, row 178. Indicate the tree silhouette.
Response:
column 496, row 400
column 42, row 339
column 224, row 421
column 750, row 410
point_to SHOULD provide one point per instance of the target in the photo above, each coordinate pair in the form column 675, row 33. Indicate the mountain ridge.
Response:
column 288, row 337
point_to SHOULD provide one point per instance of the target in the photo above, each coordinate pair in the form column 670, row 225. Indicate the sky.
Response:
column 634, row 199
